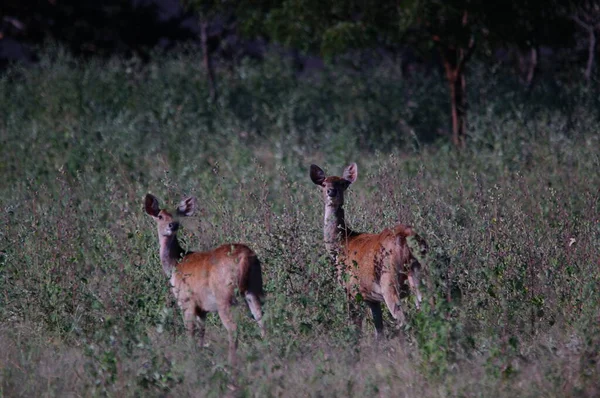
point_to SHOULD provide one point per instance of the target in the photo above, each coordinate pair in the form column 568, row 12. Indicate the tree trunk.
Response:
column 454, row 66
column 456, row 84
column 591, row 48
column 533, row 61
column 590, row 26
column 208, row 67
column 455, row 58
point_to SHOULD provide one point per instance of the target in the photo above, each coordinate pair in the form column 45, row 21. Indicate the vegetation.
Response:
column 454, row 28
column 557, row 39
column 512, row 222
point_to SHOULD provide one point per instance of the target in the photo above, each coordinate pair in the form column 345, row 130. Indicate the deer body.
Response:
column 204, row 282
column 375, row 259
column 379, row 267
column 208, row 280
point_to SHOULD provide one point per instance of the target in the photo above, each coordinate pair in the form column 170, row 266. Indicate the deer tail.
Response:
column 250, row 277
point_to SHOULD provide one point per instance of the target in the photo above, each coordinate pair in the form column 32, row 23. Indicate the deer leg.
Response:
column 188, row 308
column 354, row 313
column 390, row 290
column 189, row 321
column 377, row 318
column 254, row 306
column 414, row 282
column 352, row 294
column 227, row 318
column 201, row 326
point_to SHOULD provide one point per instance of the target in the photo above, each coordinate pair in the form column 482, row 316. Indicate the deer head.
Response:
column 166, row 223
column 333, row 186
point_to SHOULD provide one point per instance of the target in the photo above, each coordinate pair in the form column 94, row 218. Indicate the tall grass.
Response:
column 512, row 224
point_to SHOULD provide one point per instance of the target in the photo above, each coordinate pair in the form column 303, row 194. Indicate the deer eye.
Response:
column 160, row 217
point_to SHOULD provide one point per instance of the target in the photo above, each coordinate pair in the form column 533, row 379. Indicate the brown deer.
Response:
column 374, row 267
column 204, row 282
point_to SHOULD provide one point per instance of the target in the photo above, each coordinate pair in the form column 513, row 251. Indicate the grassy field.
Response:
column 513, row 225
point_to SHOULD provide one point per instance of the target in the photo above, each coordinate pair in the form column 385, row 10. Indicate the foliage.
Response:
column 511, row 222
column 456, row 28
column 329, row 28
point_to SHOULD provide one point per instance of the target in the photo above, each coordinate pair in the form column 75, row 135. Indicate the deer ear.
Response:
column 317, row 175
column 351, row 172
column 187, row 206
column 151, row 205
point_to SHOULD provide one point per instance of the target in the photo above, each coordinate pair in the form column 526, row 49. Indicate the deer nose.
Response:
column 174, row 226
column 331, row 192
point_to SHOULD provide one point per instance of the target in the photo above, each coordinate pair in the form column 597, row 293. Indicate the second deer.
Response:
column 376, row 267
column 204, row 282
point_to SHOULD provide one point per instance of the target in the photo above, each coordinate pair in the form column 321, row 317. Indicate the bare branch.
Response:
column 469, row 51
column 581, row 23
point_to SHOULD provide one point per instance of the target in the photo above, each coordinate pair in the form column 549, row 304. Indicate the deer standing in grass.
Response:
column 204, row 282
column 374, row 267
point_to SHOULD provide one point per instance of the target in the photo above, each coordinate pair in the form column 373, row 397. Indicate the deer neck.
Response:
column 335, row 230
column 170, row 253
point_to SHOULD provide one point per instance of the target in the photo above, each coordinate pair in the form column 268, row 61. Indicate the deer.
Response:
column 373, row 268
column 204, row 282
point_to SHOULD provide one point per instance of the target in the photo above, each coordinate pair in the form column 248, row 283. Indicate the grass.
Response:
column 512, row 223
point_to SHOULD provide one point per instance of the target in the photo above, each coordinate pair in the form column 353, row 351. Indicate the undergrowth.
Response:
column 512, row 224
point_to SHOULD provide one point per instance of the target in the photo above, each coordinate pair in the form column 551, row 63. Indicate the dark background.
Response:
column 141, row 27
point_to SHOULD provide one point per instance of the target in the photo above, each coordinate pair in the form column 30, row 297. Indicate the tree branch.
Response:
column 466, row 56
column 581, row 23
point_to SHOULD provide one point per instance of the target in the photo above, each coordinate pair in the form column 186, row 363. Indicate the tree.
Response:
column 207, row 10
column 527, row 26
column 586, row 14
column 452, row 26
column 327, row 27
column 336, row 26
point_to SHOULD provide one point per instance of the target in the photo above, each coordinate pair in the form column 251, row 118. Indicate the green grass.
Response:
column 513, row 225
